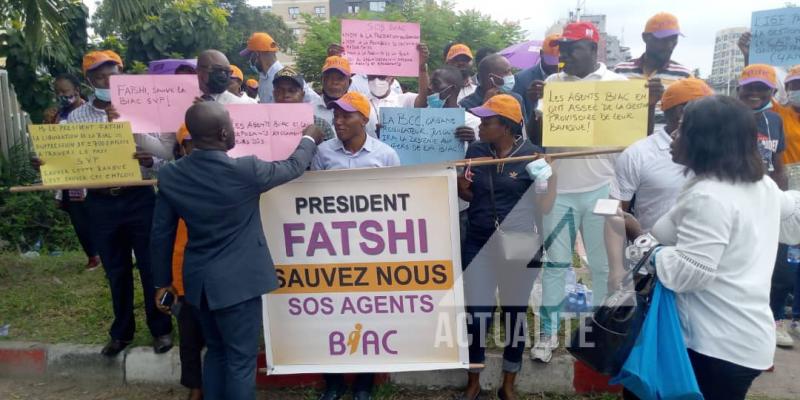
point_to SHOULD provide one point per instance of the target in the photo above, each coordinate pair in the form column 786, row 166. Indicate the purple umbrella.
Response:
column 523, row 55
column 168, row 66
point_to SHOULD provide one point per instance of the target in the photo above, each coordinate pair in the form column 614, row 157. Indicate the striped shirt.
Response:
column 672, row 72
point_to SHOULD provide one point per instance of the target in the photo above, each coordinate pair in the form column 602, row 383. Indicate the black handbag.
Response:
column 604, row 339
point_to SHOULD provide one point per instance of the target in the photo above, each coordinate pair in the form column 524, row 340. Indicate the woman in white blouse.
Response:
column 720, row 242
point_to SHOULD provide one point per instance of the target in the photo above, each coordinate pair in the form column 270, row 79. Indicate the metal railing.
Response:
column 13, row 121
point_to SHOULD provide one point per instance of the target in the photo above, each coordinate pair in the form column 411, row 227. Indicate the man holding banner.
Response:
column 352, row 148
column 584, row 181
column 227, row 266
column 122, row 218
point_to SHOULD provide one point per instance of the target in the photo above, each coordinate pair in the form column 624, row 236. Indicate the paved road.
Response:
column 784, row 382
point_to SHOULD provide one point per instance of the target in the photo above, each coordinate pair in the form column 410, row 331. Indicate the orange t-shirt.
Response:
column 791, row 131
column 181, row 237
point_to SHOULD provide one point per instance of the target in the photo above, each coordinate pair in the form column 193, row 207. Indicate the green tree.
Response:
column 439, row 25
column 31, row 63
column 243, row 20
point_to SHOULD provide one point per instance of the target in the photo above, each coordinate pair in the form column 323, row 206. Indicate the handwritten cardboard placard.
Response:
column 268, row 131
column 86, row 153
column 776, row 37
column 381, row 47
column 594, row 114
column 423, row 135
column 153, row 103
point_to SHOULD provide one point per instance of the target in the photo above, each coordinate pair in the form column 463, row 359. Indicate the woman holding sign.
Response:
column 501, row 239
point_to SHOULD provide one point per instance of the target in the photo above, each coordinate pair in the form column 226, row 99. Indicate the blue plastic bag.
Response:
column 658, row 367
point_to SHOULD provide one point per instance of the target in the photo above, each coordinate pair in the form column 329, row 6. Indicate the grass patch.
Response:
column 54, row 299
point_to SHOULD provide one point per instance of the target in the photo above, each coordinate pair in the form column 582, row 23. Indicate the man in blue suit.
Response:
column 227, row 265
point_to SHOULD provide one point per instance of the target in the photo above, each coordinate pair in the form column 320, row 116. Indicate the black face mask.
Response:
column 218, row 81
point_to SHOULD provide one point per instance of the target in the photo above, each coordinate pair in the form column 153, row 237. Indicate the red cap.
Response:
column 578, row 31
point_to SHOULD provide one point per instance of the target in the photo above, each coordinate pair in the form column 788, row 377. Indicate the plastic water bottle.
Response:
column 793, row 255
column 540, row 186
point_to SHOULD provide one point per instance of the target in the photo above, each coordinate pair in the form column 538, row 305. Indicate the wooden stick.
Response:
column 554, row 156
column 263, row 371
column 36, row 188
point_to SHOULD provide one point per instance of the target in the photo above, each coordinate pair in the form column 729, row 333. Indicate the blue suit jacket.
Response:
column 218, row 197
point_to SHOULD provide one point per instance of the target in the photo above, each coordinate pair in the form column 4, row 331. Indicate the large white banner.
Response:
column 370, row 272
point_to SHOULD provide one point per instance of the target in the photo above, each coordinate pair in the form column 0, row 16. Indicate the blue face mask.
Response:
column 434, row 101
column 102, row 94
column 508, row 82
column 764, row 108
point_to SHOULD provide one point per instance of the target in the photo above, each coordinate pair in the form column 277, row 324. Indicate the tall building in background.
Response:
column 610, row 50
column 290, row 10
column 344, row 7
column 728, row 61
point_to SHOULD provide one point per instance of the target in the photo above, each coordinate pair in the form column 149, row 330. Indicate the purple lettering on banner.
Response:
column 370, row 338
column 344, row 231
column 423, row 235
column 336, row 345
column 289, row 239
column 319, row 240
column 394, row 236
column 385, row 342
column 364, row 229
column 347, row 306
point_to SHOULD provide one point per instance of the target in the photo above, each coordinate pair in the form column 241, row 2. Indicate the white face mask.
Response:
column 794, row 97
column 379, row 87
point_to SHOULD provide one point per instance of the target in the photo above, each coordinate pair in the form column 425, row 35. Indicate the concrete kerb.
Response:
column 141, row 365
column 535, row 377
column 84, row 362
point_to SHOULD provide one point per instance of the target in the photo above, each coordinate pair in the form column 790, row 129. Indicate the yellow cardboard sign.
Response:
column 86, row 153
column 594, row 114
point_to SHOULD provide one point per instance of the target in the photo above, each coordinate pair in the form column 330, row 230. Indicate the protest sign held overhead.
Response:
column 153, row 103
column 268, row 131
column 776, row 37
column 86, row 153
column 382, row 47
column 423, row 135
column 369, row 272
column 591, row 114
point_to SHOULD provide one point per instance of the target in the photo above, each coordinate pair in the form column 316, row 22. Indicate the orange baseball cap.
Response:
column 94, row 59
column 663, row 25
column 458, row 49
column 503, row 105
column 684, row 91
column 550, row 49
column 793, row 74
column 183, row 134
column 759, row 73
column 353, row 102
column 236, row 72
column 337, row 63
column 252, row 83
column 259, row 41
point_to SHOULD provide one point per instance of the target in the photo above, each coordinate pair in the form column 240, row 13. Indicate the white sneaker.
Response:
column 795, row 329
column 782, row 336
column 543, row 350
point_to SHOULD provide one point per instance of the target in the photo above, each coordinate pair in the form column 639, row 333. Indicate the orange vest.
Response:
column 791, row 132
column 181, row 237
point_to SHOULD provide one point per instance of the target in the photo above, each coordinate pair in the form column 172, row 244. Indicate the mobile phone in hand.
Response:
column 606, row 207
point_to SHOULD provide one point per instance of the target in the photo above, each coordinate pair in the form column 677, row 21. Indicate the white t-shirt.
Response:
column 646, row 169
column 720, row 243
column 227, row 97
column 580, row 175
column 321, row 111
column 393, row 100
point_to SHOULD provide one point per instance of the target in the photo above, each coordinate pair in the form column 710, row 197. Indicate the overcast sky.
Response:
column 699, row 19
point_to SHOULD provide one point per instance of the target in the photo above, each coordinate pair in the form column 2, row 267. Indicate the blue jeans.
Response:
column 572, row 211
